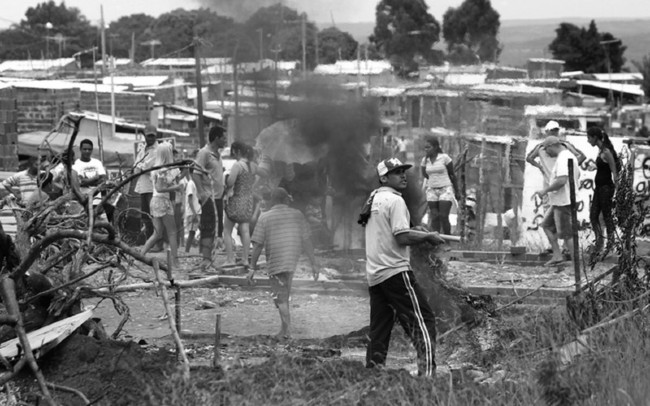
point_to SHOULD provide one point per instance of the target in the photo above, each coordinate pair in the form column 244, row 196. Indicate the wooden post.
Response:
column 462, row 223
column 172, row 325
column 481, row 196
column 217, row 341
column 199, row 95
column 177, row 292
column 574, row 225
column 500, row 199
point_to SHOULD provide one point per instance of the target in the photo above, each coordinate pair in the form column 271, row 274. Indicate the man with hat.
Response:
column 144, row 186
column 394, row 292
column 557, row 220
column 544, row 162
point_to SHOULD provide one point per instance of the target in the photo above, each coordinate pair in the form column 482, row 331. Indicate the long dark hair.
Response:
column 601, row 135
column 434, row 143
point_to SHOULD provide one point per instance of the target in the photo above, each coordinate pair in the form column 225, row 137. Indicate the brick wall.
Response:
column 130, row 106
column 40, row 109
column 8, row 130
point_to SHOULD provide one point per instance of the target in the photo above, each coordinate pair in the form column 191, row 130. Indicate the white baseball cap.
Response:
column 552, row 125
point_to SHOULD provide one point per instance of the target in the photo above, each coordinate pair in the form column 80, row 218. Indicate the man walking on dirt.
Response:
column 208, row 178
column 284, row 233
column 557, row 220
column 394, row 292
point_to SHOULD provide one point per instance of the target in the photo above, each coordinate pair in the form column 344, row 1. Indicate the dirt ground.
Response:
column 115, row 372
column 246, row 312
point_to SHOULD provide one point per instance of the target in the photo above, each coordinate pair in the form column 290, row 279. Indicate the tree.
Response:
column 281, row 28
column 583, row 49
column 176, row 31
column 334, row 44
column 121, row 31
column 644, row 68
column 403, row 31
column 70, row 32
column 471, row 32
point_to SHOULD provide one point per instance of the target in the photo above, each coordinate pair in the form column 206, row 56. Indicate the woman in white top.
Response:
column 161, row 207
column 438, row 170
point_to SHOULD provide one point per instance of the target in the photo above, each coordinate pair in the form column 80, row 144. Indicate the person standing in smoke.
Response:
column 394, row 292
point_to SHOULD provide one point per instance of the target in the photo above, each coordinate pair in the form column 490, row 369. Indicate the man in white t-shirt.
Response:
column 91, row 172
column 543, row 161
column 557, row 220
column 394, row 292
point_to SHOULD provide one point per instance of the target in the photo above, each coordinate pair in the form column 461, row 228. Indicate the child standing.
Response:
column 192, row 211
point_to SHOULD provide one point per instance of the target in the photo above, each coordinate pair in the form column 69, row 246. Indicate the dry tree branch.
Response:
column 8, row 293
column 57, row 235
column 69, row 390
column 172, row 323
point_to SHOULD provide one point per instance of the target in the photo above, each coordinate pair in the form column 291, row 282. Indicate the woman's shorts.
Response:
column 435, row 194
column 192, row 222
column 161, row 206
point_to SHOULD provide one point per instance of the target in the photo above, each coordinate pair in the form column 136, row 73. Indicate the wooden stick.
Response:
column 217, row 341
column 8, row 293
column 149, row 285
column 69, row 390
column 520, row 298
column 500, row 199
column 172, row 323
column 574, row 224
column 614, row 321
column 177, row 291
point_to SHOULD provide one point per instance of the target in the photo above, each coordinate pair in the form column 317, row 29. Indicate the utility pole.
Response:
column 316, row 45
column 48, row 27
column 132, row 51
column 606, row 45
column 199, row 94
column 304, row 45
column 103, row 32
column 152, row 44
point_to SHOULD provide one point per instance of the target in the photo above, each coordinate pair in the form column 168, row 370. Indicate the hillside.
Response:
column 523, row 39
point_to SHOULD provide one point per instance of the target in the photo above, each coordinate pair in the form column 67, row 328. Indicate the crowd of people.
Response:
column 178, row 198
column 194, row 198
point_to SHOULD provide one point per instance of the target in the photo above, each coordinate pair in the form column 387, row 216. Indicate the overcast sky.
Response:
column 348, row 10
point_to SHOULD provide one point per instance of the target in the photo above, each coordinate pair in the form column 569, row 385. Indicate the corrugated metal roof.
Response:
column 547, row 60
column 433, row 92
column 513, row 89
column 136, row 81
column 616, row 87
column 366, row 67
column 34, row 64
column 385, row 92
column 618, row 77
column 184, row 62
column 40, row 84
column 464, row 79
column 493, row 139
column 557, row 110
column 116, row 62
